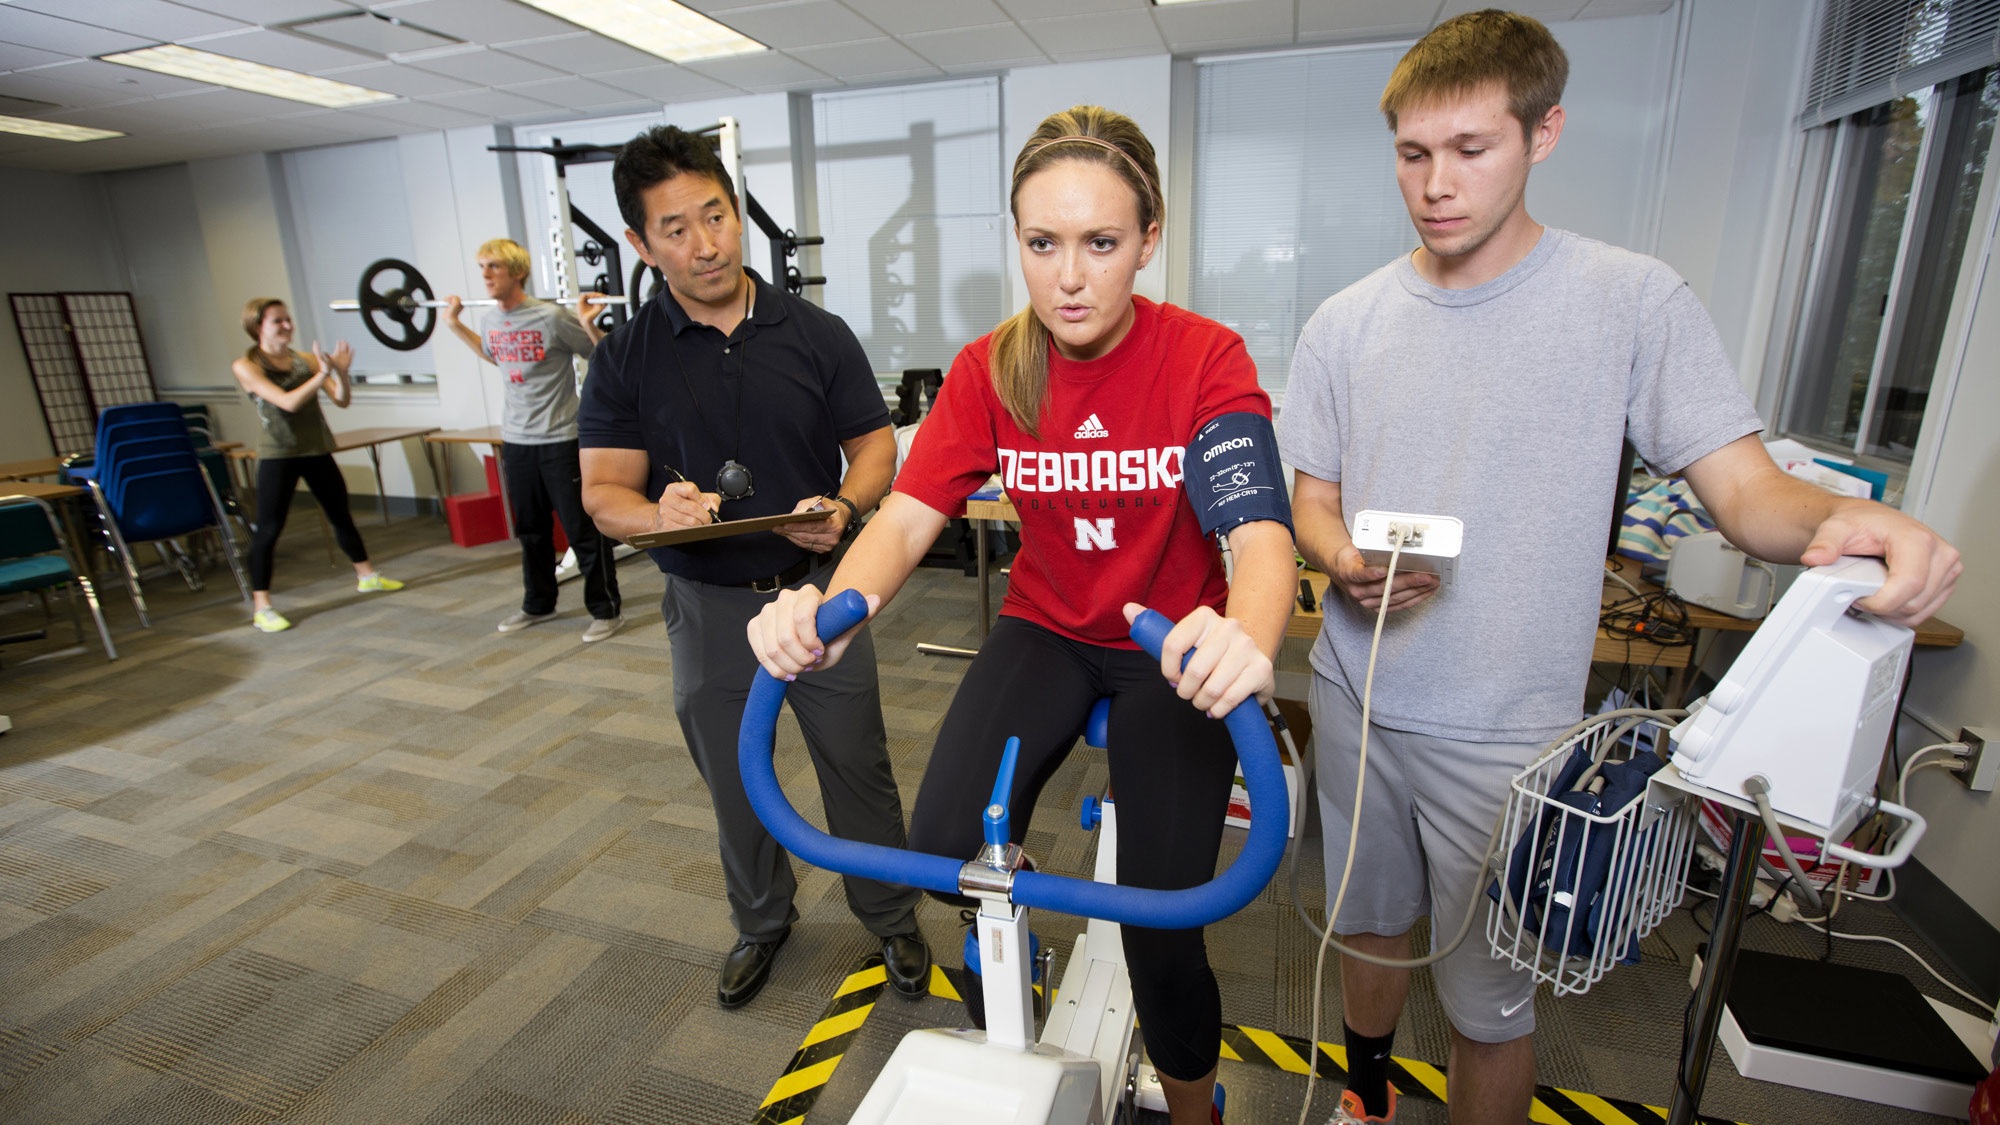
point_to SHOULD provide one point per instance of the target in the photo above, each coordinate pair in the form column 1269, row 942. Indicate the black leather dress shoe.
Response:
column 746, row 969
column 908, row 962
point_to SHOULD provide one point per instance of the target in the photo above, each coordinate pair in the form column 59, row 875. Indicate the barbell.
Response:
column 409, row 305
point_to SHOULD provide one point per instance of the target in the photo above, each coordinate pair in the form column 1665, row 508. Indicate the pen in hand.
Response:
column 681, row 478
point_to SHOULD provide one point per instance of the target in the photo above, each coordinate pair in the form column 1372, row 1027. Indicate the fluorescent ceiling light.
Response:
column 657, row 27
column 221, row 70
column 55, row 131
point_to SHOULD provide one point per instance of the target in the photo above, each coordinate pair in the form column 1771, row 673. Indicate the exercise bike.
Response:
column 1084, row 1069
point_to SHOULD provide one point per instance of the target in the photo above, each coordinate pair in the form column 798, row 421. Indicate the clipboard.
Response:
column 726, row 528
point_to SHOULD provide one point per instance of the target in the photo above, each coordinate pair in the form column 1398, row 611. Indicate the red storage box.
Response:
column 478, row 517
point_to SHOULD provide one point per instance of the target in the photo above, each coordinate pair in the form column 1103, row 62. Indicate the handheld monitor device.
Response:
column 1809, row 704
column 1431, row 545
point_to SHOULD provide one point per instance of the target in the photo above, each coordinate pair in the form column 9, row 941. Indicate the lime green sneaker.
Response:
column 375, row 582
column 270, row 621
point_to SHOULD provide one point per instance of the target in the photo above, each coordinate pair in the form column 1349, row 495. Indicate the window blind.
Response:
column 913, row 205
column 348, row 211
column 1293, row 201
column 1867, row 52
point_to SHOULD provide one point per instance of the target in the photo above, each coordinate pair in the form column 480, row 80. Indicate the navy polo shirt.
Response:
column 779, row 395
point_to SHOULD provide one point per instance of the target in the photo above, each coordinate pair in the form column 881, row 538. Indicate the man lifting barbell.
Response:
column 534, row 344
column 400, row 314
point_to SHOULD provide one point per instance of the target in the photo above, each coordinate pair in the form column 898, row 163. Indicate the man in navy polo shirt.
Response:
column 727, row 398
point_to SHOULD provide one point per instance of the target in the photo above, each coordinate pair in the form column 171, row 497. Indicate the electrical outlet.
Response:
column 1979, row 771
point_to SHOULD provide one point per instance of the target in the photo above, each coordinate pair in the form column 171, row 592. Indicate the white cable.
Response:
column 1990, row 1011
column 1353, row 825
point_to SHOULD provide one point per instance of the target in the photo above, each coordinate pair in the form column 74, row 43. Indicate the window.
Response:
column 1292, row 202
column 913, row 206
column 1887, row 197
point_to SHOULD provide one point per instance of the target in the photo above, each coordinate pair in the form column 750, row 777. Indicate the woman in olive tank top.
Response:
column 296, row 445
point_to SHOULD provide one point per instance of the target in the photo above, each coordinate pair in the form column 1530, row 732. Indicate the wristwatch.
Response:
column 853, row 517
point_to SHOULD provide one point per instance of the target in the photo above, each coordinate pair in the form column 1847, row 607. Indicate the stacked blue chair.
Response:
column 150, row 487
column 35, row 557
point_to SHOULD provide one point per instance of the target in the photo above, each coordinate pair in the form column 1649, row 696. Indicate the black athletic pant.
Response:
column 277, row 479
column 1171, row 768
column 545, row 481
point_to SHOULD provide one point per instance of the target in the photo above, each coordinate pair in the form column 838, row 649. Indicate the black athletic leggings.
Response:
column 1171, row 768
column 277, row 479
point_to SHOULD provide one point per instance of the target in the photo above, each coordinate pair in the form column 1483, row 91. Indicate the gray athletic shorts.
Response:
column 1428, row 811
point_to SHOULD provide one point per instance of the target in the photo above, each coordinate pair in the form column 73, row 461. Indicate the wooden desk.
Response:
column 40, row 490
column 34, row 467
column 482, row 435
column 373, row 438
column 979, row 511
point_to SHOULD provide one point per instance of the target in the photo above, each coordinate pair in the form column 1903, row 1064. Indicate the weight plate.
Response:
column 392, row 312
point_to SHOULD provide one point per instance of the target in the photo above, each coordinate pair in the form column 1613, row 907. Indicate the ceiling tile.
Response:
column 496, row 104
column 1226, row 22
column 761, row 72
column 1597, row 9
column 33, row 29
column 271, row 13
column 1069, row 36
column 583, row 53
column 153, row 19
column 90, row 82
column 32, row 84
column 14, row 57
column 976, row 46
column 188, row 111
column 805, row 23
column 370, row 34
column 281, row 49
column 1050, row 9
column 576, row 93
column 417, row 113
column 1358, row 18
column 482, row 67
column 666, row 83
column 902, row 18
column 870, row 58
column 478, row 21
column 395, row 78
column 276, row 136
column 1540, row 9
column 711, row 7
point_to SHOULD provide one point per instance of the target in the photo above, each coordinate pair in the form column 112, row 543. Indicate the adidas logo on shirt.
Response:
column 1092, row 428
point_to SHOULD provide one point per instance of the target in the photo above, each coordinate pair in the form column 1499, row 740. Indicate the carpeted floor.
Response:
column 392, row 866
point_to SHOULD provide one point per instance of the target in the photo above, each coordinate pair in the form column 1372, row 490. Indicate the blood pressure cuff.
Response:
column 1233, row 475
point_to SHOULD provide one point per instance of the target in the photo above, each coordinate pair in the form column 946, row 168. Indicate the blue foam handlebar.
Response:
column 1197, row 906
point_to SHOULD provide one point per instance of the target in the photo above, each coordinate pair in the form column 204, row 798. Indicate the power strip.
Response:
column 1431, row 544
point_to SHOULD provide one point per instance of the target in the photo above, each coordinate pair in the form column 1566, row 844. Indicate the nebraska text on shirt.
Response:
column 1099, row 470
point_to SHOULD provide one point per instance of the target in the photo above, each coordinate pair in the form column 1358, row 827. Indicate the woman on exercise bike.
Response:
column 1085, row 402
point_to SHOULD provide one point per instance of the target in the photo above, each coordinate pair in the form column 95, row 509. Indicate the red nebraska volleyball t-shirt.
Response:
column 1104, row 517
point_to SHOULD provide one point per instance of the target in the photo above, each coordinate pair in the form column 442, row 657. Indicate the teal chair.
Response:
column 35, row 557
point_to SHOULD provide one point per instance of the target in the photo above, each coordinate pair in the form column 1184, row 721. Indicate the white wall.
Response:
column 1733, row 158
column 56, row 234
column 1960, row 687
column 1598, row 180
column 1139, row 88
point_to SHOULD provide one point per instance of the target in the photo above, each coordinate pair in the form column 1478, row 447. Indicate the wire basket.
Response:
column 1596, row 856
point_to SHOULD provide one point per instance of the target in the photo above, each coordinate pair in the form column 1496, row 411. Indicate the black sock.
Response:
column 1368, row 1069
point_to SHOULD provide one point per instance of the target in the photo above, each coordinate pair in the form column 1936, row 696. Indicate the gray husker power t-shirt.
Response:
column 533, row 344
column 1502, row 405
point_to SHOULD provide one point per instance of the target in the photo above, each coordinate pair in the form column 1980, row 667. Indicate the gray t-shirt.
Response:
column 1502, row 405
column 534, row 343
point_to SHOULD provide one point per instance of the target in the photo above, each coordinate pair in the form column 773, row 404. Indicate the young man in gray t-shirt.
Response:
column 536, row 344
column 1490, row 376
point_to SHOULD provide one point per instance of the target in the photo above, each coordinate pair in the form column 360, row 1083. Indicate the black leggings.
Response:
column 277, row 479
column 1171, row 768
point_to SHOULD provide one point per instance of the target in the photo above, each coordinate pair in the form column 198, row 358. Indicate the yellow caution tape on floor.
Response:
column 1420, row 1081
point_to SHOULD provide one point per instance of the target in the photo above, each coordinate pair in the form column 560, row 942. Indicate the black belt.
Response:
column 775, row 582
